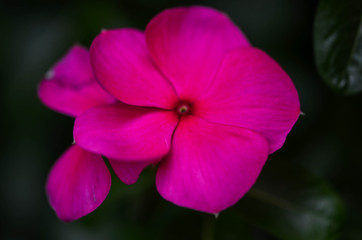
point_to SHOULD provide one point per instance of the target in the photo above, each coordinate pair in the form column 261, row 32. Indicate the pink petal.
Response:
column 125, row 132
column 210, row 166
column 77, row 184
column 70, row 86
column 188, row 44
column 123, row 66
column 128, row 172
column 252, row 91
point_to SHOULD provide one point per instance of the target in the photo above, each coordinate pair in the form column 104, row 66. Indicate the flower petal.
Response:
column 210, row 166
column 128, row 172
column 70, row 86
column 125, row 132
column 124, row 67
column 77, row 184
column 188, row 44
column 252, row 91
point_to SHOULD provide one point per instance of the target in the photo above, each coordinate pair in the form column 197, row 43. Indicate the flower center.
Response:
column 183, row 108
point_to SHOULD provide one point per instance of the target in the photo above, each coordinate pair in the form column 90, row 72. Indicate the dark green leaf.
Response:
column 291, row 203
column 338, row 44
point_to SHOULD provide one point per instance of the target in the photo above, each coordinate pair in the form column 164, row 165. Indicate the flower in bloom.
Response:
column 190, row 93
column 193, row 96
column 79, row 180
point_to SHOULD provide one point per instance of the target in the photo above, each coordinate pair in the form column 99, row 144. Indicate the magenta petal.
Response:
column 210, row 166
column 123, row 66
column 125, row 132
column 188, row 44
column 128, row 172
column 252, row 91
column 77, row 184
column 70, row 86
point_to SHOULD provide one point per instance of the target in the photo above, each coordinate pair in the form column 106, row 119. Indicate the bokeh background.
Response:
column 325, row 144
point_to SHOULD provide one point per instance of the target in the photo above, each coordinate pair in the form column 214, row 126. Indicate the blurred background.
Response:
column 310, row 189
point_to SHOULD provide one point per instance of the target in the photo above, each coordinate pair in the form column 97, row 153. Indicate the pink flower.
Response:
column 195, row 97
column 79, row 180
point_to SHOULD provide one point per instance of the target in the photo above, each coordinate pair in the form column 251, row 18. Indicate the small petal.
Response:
column 128, row 172
column 252, row 91
column 125, row 132
column 70, row 86
column 188, row 44
column 210, row 166
column 124, row 67
column 77, row 184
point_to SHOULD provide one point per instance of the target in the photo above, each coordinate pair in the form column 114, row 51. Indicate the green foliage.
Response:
column 291, row 203
column 338, row 44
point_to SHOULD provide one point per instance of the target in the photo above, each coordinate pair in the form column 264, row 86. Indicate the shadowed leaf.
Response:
column 338, row 44
column 291, row 203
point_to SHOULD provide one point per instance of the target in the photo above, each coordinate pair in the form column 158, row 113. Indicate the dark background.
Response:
column 327, row 141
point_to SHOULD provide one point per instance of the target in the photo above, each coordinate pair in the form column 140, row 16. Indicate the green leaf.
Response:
column 291, row 203
column 338, row 44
